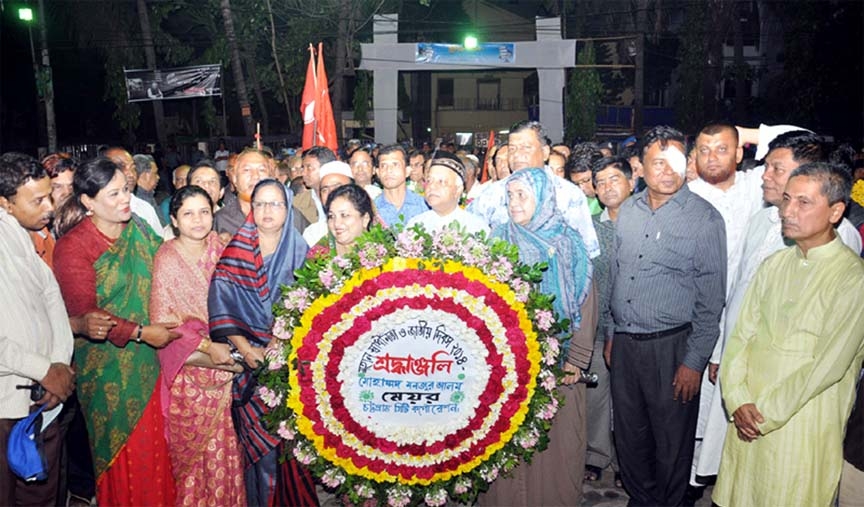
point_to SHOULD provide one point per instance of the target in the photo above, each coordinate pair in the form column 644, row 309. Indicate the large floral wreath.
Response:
column 420, row 366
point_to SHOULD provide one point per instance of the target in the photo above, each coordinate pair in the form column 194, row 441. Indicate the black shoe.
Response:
column 692, row 495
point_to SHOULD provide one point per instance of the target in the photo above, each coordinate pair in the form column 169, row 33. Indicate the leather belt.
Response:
column 659, row 334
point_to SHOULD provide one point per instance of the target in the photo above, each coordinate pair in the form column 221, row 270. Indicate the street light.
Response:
column 25, row 14
column 470, row 42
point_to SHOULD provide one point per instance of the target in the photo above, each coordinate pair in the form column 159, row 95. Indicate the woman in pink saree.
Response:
column 196, row 373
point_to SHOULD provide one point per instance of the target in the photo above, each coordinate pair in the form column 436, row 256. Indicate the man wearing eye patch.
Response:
column 668, row 279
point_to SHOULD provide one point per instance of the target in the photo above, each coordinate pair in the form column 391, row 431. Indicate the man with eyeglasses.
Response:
column 528, row 146
column 251, row 167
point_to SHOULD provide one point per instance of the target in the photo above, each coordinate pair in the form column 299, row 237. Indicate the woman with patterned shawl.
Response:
column 103, row 264
column 260, row 258
column 537, row 228
column 196, row 373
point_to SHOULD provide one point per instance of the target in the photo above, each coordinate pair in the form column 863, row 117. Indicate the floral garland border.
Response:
column 375, row 273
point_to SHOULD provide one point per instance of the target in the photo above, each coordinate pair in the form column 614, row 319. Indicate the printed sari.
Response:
column 118, row 385
column 196, row 402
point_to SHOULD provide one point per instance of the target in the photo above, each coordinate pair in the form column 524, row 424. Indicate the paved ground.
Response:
column 603, row 493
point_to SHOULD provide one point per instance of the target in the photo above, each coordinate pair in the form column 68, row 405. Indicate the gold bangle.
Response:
column 204, row 346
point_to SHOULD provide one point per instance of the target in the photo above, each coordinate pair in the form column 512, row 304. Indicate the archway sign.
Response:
column 386, row 56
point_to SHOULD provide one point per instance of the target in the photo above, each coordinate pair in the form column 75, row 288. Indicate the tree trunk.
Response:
column 237, row 67
column 338, row 88
column 259, row 95
column 283, row 92
column 150, row 55
column 50, row 122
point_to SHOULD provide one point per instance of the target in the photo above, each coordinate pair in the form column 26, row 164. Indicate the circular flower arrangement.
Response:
column 419, row 367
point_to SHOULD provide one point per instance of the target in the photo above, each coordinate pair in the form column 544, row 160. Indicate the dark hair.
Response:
column 392, row 148
column 184, row 193
column 57, row 163
column 662, row 134
column 804, row 145
column 716, row 127
column 91, row 176
column 17, row 169
column 618, row 162
column 271, row 182
column 357, row 196
column 413, row 152
column 533, row 126
column 835, row 179
column 322, row 153
column 582, row 158
column 629, row 151
column 202, row 165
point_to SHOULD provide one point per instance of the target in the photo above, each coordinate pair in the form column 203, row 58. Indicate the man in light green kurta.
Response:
column 791, row 365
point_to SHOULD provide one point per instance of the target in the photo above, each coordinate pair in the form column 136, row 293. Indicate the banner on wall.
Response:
column 493, row 53
column 177, row 83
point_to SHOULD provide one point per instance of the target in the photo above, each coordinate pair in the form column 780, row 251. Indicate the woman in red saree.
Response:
column 196, row 372
column 103, row 264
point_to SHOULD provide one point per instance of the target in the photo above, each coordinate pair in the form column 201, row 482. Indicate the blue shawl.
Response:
column 548, row 238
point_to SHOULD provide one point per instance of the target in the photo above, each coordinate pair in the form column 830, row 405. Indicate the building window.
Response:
column 445, row 93
column 489, row 94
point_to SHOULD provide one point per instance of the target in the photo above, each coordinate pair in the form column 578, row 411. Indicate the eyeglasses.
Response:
column 269, row 204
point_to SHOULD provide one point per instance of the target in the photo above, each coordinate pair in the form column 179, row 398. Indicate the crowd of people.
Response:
column 712, row 296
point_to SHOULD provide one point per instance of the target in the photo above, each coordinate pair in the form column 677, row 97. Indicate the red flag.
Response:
column 325, row 124
column 307, row 104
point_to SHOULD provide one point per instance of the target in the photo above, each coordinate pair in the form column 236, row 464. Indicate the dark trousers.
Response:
column 16, row 492
column 653, row 433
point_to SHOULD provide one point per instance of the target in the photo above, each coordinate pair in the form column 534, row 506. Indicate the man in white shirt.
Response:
column 139, row 206
column 737, row 195
column 528, row 146
column 332, row 176
column 35, row 349
column 444, row 188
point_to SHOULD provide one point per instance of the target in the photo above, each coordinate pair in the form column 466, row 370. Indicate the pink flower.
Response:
column 547, row 380
column 372, row 255
column 285, row 431
column 409, row 245
column 462, row 486
column 544, row 319
column 522, row 289
column 341, row 262
column 326, row 277
column 279, row 330
column 332, row 478
column 269, row 397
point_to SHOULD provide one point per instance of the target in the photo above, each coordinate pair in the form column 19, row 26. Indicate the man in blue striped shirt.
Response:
column 668, row 276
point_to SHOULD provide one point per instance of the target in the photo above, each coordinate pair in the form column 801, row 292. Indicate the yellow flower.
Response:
column 858, row 192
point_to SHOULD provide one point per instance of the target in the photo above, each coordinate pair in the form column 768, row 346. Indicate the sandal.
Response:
column 592, row 473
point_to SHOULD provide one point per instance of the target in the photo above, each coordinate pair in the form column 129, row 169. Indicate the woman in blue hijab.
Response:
column 537, row 228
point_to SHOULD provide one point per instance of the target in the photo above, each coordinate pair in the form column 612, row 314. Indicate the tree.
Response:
column 150, row 56
column 237, row 68
column 584, row 93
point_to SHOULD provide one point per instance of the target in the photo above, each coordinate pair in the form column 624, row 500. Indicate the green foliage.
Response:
column 584, row 93
column 693, row 54
column 362, row 97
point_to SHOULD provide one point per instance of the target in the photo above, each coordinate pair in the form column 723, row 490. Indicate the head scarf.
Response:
column 548, row 238
column 245, row 286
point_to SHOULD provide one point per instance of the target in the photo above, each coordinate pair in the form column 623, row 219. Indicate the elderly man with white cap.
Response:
column 332, row 176
column 445, row 183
